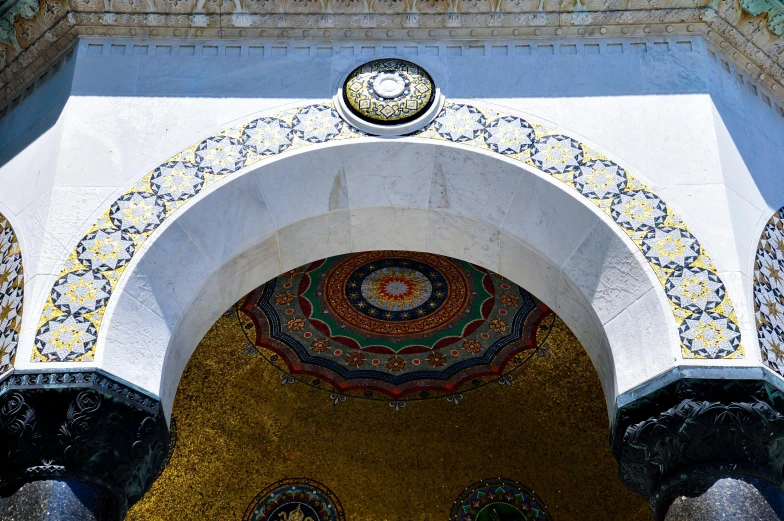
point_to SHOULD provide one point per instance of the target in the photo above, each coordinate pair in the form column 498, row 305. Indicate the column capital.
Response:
column 83, row 425
column 698, row 430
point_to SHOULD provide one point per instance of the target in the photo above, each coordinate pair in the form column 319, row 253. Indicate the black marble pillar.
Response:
column 77, row 445
column 727, row 499
column 705, row 450
column 60, row 499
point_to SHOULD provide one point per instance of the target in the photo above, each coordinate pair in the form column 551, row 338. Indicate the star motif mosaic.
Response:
column 557, row 154
column 220, row 155
column 670, row 247
column 317, row 124
column 509, row 135
column 177, row 181
column 690, row 281
column 80, row 292
column 11, row 294
column 639, row 210
column 460, row 123
column 105, row 249
column 267, row 136
column 66, row 339
column 600, row 179
column 138, row 212
column 389, row 91
column 769, row 292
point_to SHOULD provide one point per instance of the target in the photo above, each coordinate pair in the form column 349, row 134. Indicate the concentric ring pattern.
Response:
column 389, row 92
column 704, row 314
column 397, row 323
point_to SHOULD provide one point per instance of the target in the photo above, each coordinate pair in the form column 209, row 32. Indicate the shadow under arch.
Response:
column 406, row 194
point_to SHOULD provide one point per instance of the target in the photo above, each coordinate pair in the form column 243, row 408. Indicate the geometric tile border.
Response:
column 11, row 292
column 769, row 292
column 72, row 316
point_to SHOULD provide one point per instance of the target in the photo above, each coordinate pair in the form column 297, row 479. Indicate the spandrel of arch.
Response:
column 769, row 292
column 706, row 321
column 11, row 294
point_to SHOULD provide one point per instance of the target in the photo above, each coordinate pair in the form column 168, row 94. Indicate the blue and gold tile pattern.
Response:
column 703, row 312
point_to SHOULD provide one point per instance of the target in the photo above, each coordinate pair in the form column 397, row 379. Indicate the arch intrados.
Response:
column 238, row 234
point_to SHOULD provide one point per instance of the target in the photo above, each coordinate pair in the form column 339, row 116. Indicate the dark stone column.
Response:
column 77, row 445
column 54, row 500
column 705, row 450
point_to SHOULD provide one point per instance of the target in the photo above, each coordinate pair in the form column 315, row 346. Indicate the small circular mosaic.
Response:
column 498, row 500
column 394, row 324
column 389, row 92
column 295, row 499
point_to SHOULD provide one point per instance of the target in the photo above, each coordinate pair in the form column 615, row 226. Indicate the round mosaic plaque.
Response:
column 395, row 323
column 388, row 92
column 499, row 500
column 295, row 499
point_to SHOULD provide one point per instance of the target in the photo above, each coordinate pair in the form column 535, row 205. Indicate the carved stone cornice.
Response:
column 745, row 40
column 694, row 429
column 83, row 425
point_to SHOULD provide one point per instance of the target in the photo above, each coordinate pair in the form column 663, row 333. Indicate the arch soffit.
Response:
column 11, row 294
column 68, row 328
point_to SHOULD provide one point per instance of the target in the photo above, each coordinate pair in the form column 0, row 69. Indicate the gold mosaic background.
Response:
column 239, row 429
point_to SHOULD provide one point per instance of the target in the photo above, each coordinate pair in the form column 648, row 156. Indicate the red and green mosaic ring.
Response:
column 499, row 500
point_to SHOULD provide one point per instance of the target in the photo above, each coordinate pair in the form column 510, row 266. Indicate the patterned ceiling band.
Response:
column 498, row 500
column 295, row 499
column 704, row 314
column 11, row 293
column 395, row 323
column 769, row 292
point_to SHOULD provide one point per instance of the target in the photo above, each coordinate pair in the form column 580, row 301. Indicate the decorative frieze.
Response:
column 35, row 42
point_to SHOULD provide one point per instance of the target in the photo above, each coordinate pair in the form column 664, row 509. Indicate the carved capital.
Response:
column 83, row 425
column 694, row 429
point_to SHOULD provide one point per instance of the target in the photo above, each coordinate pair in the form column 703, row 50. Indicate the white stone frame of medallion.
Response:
column 435, row 69
column 345, row 197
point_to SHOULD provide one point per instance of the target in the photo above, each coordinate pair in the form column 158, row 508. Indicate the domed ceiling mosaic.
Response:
column 394, row 325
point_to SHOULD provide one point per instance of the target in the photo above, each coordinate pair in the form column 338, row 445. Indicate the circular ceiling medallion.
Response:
column 395, row 323
column 295, row 499
column 498, row 500
column 389, row 97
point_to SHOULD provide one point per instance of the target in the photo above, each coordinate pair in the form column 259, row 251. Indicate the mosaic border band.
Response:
column 11, row 294
column 73, row 313
column 769, row 292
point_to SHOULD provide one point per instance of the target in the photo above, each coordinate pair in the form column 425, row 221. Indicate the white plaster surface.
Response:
column 664, row 108
column 189, row 273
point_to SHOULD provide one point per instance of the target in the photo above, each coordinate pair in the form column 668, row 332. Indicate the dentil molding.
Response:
column 40, row 30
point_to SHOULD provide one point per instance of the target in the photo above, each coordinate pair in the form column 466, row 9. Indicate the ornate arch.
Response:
column 73, row 313
column 11, row 294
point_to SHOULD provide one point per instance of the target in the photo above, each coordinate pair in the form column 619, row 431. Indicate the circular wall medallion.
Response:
column 389, row 97
column 393, row 322
column 498, row 500
column 295, row 499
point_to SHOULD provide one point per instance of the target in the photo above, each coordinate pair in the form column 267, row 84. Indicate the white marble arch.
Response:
column 369, row 194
